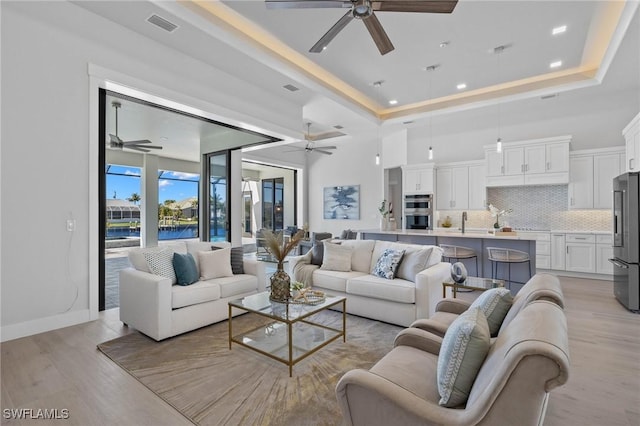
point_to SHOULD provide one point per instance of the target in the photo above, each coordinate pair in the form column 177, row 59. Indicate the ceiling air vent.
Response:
column 291, row 87
column 162, row 23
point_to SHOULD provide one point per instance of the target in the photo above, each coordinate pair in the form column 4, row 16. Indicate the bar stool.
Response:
column 503, row 255
column 457, row 253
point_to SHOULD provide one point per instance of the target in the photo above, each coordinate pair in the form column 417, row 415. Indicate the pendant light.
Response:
column 430, row 69
column 377, row 84
column 498, row 51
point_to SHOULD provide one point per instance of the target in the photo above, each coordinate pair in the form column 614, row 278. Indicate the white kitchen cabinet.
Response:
column 605, row 168
column 604, row 252
column 590, row 178
column 632, row 137
column 543, row 248
column 477, row 187
column 533, row 162
column 418, row 179
column 581, row 182
column 452, row 188
column 558, row 251
column 580, row 253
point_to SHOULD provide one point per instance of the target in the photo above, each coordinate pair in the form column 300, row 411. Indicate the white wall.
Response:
column 46, row 49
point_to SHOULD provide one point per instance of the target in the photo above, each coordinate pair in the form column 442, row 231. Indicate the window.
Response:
column 273, row 204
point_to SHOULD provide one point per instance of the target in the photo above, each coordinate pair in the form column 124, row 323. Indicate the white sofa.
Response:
column 396, row 301
column 156, row 307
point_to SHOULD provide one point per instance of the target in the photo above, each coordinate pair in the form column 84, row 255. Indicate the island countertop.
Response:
column 454, row 233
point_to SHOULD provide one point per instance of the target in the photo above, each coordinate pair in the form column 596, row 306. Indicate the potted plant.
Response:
column 278, row 249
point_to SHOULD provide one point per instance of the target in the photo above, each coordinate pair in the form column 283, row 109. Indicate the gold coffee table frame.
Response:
column 292, row 317
column 471, row 283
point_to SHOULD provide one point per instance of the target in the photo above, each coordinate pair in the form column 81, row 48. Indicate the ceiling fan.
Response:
column 311, row 141
column 365, row 11
column 117, row 143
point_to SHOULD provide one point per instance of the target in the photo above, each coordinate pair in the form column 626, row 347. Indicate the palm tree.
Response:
column 135, row 198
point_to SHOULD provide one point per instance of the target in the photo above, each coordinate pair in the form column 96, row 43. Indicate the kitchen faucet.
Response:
column 464, row 218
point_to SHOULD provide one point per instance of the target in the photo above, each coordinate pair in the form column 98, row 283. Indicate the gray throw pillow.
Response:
column 494, row 303
column 464, row 347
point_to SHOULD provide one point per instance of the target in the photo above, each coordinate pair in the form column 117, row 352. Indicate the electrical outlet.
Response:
column 71, row 225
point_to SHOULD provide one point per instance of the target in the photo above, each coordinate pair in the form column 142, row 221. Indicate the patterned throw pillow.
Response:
column 161, row 263
column 185, row 268
column 464, row 347
column 495, row 304
column 388, row 263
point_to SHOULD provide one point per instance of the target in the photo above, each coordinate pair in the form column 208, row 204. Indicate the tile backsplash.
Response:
column 536, row 208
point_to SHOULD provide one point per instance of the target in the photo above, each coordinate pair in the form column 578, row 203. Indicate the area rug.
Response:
column 209, row 384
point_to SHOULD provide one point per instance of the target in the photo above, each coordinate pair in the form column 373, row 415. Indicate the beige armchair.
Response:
column 539, row 287
column 527, row 360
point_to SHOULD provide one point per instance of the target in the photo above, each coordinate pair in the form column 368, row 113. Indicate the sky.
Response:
column 124, row 181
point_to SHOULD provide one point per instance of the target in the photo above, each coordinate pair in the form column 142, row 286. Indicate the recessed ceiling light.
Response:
column 555, row 64
column 461, row 86
column 559, row 30
column 393, row 102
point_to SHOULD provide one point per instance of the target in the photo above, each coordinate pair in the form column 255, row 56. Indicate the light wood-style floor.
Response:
column 63, row 369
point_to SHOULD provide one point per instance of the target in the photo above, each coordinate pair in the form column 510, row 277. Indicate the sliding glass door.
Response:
column 217, row 196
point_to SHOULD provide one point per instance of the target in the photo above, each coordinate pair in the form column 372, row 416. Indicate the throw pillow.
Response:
column 237, row 259
column 464, row 348
column 215, row 264
column 413, row 262
column 388, row 263
column 494, row 303
column 161, row 263
column 336, row 257
column 317, row 252
column 185, row 268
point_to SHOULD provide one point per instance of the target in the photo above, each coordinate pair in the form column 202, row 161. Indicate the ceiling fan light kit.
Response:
column 364, row 10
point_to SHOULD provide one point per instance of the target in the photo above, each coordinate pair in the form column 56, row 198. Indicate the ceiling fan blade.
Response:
column 326, row 135
column 143, row 146
column 378, row 34
column 322, row 151
column 328, row 147
column 333, row 31
column 137, row 148
column 114, row 138
column 424, row 6
column 138, row 142
column 302, row 4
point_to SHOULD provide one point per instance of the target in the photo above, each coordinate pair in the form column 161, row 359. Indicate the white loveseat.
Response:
column 397, row 301
column 154, row 306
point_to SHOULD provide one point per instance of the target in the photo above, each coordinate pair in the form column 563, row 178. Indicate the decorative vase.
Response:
column 280, row 285
column 496, row 225
column 458, row 273
column 383, row 224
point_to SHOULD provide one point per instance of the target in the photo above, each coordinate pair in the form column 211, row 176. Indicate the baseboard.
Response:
column 601, row 277
column 41, row 325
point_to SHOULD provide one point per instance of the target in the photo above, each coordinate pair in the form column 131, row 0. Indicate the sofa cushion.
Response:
column 200, row 292
column 494, row 303
column 396, row 290
column 336, row 257
column 236, row 285
column 215, row 264
column 185, row 268
column 161, row 263
column 464, row 348
column 333, row 280
column 361, row 256
column 387, row 264
column 413, row 261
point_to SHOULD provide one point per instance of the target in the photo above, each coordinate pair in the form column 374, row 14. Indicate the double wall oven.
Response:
column 418, row 211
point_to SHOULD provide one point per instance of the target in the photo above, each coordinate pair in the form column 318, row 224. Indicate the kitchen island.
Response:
column 476, row 240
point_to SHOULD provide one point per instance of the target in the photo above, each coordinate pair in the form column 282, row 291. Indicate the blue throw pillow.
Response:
column 388, row 263
column 185, row 267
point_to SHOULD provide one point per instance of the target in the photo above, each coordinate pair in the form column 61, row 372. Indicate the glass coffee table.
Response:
column 290, row 333
column 471, row 283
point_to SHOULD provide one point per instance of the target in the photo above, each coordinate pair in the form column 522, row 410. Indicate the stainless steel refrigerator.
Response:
column 626, row 236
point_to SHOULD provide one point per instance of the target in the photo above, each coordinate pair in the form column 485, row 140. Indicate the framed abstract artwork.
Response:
column 341, row 202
